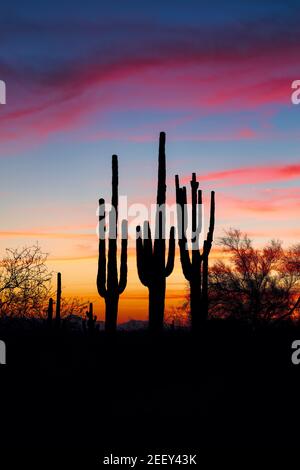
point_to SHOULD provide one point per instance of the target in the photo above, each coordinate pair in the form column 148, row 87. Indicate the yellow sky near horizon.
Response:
column 133, row 302
column 75, row 256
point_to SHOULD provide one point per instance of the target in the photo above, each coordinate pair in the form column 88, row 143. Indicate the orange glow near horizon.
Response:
column 79, row 269
column 133, row 303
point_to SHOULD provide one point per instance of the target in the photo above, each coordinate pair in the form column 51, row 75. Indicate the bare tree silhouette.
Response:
column 256, row 284
column 152, row 268
column 25, row 281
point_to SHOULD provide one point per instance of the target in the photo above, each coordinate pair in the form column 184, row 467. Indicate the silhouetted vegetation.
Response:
column 108, row 284
column 195, row 267
column 25, row 282
column 89, row 323
column 255, row 284
column 151, row 388
column 151, row 264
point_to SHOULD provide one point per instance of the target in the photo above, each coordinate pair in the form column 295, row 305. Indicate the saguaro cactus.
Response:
column 58, row 300
column 50, row 313
column 89, row 322
column 108, row 284
column 195, row 268
column 151, row 265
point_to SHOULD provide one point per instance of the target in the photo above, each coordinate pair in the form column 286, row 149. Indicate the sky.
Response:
column 86, row 80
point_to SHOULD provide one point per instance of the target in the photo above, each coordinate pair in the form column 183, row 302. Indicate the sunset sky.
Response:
column 89, row 79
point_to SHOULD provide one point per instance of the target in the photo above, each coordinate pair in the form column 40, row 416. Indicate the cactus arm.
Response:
column 171, row 254
column 209, row 239
column 194, row 189
column 50, row 312
column 177, row 185
column 140, row 258
column 184, row 251
column 115, row 182
column 200, row 214
column 181, row 201
column 101, row 275
column 185, row 261
column 123, row 262
column 58, row 299
column 206, row 250
column 161, row 186
column 204, row 288
column 179, row 208
column 212, row 216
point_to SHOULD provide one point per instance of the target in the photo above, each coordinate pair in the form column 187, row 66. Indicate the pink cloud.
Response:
column 177, row 82
column 49, row 235
column 276, row 205
column 212, row 74
column 251, row 174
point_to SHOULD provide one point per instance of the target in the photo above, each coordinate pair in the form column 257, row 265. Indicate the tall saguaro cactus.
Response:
column 110, row 287
column 152, row 268
column 195, row 268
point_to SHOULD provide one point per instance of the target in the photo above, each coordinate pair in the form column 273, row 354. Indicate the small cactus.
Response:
column 91, row 319
column 50, row 313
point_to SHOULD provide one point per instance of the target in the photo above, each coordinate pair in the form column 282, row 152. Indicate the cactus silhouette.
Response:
column 152, row 269
column 50, row 313
column 195, row 269
column 58, row 300
column 108, row 284
column 89, row 322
